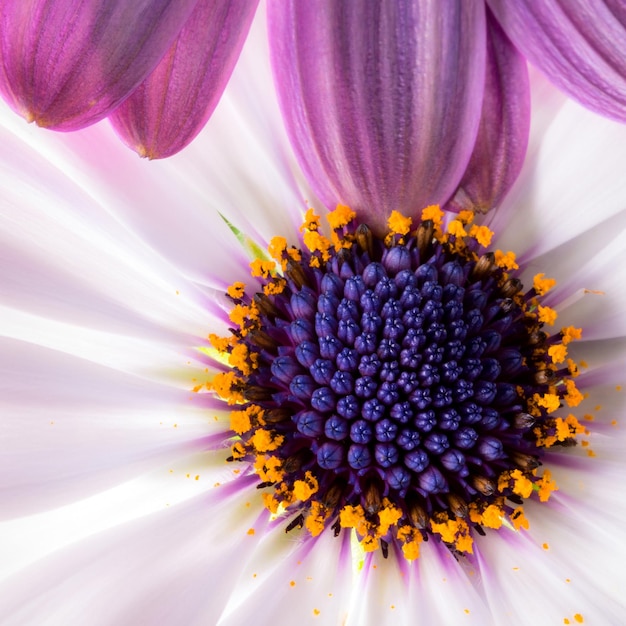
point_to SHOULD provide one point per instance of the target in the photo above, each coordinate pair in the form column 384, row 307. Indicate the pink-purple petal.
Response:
column 66, row 64
column 579, row 44
column 173, row 104
column 381, row 100
column 504, row 127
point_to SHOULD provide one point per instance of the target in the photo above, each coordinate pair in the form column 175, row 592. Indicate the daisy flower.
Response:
column 158, row 68
column 120, row 505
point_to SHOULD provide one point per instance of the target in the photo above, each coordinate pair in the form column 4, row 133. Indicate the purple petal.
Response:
column 172, row 105
column 579, row 44
column 503, row 133
column 381, row 100
column 66, row 64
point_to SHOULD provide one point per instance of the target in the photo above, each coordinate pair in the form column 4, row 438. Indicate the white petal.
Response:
column 66, row 255
column 442, row 589
column 28, row 539
column 172, row 567
column 544, row 576
column 71, row 428
column 72, row 193
column 122, row 352
column 590, row 274
column 287, row 582
column 430, row 590
column 380, row 592
column 572, row 179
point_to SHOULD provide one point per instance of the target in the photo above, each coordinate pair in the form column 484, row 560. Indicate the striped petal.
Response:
column 380, row 118
column 580, row 45
column 172, row 105
column 66, row 64
column 503, row 133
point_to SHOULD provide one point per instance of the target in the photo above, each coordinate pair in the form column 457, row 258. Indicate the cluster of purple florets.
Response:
column 398, row 369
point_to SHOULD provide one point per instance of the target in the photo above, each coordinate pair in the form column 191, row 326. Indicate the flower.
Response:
column 66, row 65
column 98, row 364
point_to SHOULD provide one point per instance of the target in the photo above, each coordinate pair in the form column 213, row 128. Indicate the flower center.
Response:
column 401, row 386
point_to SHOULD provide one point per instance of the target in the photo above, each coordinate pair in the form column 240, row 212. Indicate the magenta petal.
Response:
column 173, row 104
column 66, row 64
column 381, row 100
column 579, row 44
column 503, row 133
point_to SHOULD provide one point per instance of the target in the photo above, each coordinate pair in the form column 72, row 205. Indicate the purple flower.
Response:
column 118, row 505
column 67, row 64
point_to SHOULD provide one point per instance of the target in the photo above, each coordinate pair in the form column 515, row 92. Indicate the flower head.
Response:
column 119, row 270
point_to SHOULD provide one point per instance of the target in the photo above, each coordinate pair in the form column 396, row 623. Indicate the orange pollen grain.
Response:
column 506, row 260
column 482, row 234
column 547, row 315
column 542, row 285
column 341, row 216
column 557, row 353
column 434, row 213
column 399, row 224
column 236, row 290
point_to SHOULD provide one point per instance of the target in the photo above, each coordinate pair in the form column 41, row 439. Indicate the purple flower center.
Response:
column 403, row 374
